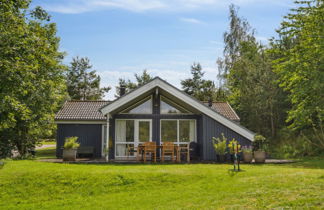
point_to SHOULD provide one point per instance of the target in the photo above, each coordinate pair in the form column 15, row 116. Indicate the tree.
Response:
column 300, row 68
column 198, row 87
column 250, row 80
column 141, row 79
column 32, row 84
column 82, row 82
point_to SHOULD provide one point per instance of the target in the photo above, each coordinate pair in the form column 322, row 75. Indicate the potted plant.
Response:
column 247, row 154
column 220, row 148
column 70, row 148
column 259, row 152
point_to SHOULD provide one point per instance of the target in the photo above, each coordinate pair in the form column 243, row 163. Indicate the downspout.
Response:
column 107, row 140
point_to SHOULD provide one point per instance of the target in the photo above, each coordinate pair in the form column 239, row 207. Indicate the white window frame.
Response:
column 136, row 131
column 178, row 133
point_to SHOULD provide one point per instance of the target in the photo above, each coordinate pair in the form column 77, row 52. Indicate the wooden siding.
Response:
column 89, row 135
column 211, row 128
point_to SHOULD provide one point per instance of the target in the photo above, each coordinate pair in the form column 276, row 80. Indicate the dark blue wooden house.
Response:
column 156, row 111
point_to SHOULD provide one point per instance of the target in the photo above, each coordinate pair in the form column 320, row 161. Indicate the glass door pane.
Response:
column 125, row 130
column 144, row 131
column 169, row 130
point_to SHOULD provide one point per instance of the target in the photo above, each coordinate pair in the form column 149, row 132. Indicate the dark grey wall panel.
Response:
column 212, row 128
column 89, row 135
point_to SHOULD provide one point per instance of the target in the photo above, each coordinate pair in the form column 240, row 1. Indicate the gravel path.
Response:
column 45, row 146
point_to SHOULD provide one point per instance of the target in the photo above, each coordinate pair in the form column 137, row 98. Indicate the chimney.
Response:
column 210, row 102
column 122, row 90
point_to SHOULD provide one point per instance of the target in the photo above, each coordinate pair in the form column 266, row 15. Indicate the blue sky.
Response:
column 163, row 36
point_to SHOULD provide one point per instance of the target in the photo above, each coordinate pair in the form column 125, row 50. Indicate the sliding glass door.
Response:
column 129, row 133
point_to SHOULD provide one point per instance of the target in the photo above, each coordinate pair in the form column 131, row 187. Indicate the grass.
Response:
column 48, row 142
column 46, row 153
column 27, row 184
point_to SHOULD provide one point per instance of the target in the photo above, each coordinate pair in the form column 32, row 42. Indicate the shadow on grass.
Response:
column 47, row 153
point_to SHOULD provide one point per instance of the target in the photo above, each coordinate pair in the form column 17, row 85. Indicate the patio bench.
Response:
column 85, row 151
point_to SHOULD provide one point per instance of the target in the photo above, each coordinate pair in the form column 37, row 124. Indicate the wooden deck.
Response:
column 103, row 161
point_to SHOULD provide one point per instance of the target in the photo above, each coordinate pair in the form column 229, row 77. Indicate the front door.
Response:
column 129, row 133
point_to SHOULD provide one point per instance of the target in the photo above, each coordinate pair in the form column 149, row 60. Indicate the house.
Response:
column 156, row 111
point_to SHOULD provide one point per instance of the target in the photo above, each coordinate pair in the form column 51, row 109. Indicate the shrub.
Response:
column 220, row 145
column 259, row 143
column 247, row 149
column 70, row 143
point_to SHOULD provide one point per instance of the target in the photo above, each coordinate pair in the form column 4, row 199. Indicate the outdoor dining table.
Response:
column 140, row 150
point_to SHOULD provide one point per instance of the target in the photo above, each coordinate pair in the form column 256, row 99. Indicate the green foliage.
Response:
column 247, row 149
column 300, row 67
column 198, row 87
column 128, row 186
column 249, row 79
column 71, row 142
column 82, row 82
column 234, row 146
column 142, row 79
column 259, row 143
column 220, row 145
column 32, row 84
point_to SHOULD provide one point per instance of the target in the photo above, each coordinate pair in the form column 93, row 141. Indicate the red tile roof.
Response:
column 224, row 109
column 81, row 110
column 89, row 110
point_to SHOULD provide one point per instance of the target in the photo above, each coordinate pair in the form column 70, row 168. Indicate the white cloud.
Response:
column 191, row 20
column 81, row 6
column 169, row 70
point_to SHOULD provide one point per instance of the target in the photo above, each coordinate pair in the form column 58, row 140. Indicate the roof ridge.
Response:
column 88, row 101
column 215, row 101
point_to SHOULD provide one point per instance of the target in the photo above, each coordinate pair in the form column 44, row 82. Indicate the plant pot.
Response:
column 259, row 156
column 221, row 158
column 69, row 154
column 247, row 157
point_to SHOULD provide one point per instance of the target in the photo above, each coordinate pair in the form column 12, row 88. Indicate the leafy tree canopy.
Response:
column 32, row 84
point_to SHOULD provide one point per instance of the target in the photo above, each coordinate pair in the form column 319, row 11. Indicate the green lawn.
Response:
column 28, row 184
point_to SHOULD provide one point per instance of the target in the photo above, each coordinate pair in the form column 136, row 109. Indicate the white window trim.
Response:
column 178, row 135
column 135, row 142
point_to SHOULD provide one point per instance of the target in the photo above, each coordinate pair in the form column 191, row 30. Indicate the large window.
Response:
column 178, row 131
column 143, row 107
column 129, row 133
column 168, row 107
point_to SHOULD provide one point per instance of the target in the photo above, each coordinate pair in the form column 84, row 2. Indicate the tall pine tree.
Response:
column 198, row 87
column 82, row 82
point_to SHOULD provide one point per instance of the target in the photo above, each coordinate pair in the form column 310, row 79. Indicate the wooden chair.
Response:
column 150, row 148
column 167, row 148
column 185, row 149
column 130, row 150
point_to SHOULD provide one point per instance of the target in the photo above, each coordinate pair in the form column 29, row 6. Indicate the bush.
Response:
column 220, row 145
column 259, row 143
column 293, row 146
column 70, row 143
column 247, row 149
